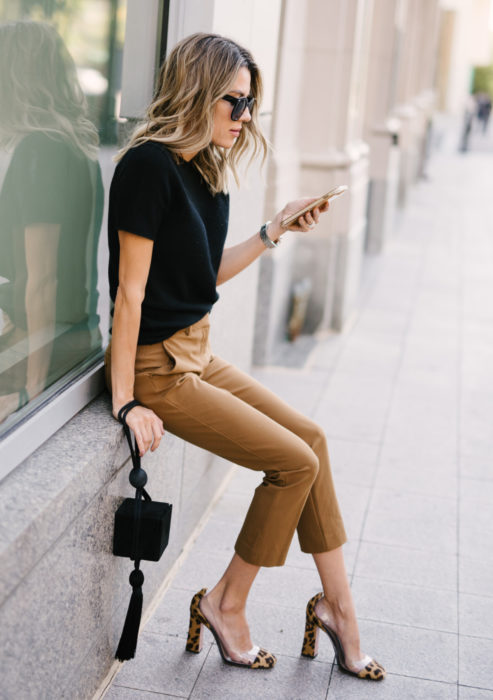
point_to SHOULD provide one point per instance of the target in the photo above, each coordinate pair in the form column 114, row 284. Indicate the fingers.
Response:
column 308, row 221
column 147, row 427
column 158, row 432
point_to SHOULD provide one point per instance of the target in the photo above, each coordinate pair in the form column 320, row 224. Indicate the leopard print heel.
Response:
column 256, row 658
column 367, row 667
column 310, row 640
column 194, row 640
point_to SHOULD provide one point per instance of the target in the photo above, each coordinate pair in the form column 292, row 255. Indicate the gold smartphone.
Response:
column 336, row 192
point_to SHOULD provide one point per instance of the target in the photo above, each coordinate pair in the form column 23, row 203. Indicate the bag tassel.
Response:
column 128, row 640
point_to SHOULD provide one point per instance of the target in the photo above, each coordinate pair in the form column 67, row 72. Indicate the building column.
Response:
column 415, row 95
column 337, row 36
column 381, row 131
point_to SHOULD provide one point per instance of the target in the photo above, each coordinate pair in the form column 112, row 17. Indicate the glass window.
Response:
column 60, row 70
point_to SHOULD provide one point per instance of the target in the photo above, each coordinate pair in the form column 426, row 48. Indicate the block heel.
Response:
column 367, row 667
column 194, row 639
column 310, row 640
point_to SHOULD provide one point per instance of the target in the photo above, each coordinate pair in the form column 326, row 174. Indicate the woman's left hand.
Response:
column 304, row 223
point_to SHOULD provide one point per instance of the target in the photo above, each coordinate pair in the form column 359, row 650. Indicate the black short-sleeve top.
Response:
column 168, row 201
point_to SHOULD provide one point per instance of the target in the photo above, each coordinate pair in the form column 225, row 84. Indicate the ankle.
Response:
column 230, row 606
column 225, row 603
column 337, row 607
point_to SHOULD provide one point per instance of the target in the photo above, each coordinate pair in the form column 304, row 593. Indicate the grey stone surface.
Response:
column 409, row 651
column 406, row 565
column 476, row 575
column 476, row 615
column 117, row 692
column 409, row 520
column 344, row 687
column 162, row 665
column 300, row 389
column 290, row 678
column 343, row 410
column 404, row 604
column 466, row 693
column 353, row 461
column 475, row 662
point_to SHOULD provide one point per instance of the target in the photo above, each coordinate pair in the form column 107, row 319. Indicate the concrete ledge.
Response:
column 63, row 594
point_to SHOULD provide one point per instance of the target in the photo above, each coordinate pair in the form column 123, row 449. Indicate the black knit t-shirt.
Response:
column 168, row 202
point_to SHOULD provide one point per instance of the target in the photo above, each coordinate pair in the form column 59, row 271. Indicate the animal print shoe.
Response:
column 366, row 667
column 255, row 658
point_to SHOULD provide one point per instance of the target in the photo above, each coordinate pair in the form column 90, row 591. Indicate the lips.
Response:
column 235, row 132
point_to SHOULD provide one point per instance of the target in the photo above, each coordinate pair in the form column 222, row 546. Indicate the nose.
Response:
column 246, row 116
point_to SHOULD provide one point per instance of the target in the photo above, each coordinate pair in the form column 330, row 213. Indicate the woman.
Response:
column 167, row 225
column 51, row 206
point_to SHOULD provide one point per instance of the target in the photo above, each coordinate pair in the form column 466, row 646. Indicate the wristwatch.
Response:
column 268, row 242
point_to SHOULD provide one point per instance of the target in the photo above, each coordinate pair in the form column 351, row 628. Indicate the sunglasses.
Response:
column 239, row 105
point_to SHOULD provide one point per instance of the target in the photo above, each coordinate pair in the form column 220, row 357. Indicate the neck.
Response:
column 188, row 156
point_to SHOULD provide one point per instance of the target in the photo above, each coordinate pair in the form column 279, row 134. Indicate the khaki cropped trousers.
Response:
column 210, row 403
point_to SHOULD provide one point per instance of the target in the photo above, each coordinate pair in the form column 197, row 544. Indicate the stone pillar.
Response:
column 415, row 96
column 275, row 277
column 337, row 36
column 381, row 130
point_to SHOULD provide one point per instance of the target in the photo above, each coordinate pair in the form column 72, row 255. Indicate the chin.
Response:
column 226, row 142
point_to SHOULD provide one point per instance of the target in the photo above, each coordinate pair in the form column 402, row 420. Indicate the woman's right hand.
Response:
column 147, row 427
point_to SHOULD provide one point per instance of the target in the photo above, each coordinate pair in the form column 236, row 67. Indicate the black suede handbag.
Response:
column 141, row 532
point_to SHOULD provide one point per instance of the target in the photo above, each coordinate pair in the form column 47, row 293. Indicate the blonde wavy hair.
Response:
column 39, row 88
column 196, row 75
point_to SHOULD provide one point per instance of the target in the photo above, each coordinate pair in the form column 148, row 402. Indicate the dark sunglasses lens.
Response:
column 239, row 108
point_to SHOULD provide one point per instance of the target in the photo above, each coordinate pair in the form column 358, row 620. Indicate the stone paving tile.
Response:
column 244, row 481
column 475, row 529
column 476, row 490
column 466, row 693
column 353, row 409
column 411, row 520
column 117, row 692
column 428, row 481
column 353, row 502
column 409, row 651
column 352, row 461
column 172, row 615
column 475, row 668
column 476, row 615
column 202, row 569
column 376, row 322
column 326, row 353
column 476, row 575
column 405, row 605
column 162, row 665
column 299, row 388
column 405, row 565
column 345, row 687
column 290, row 678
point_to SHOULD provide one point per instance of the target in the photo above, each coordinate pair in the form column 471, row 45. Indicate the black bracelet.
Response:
column 124, row 410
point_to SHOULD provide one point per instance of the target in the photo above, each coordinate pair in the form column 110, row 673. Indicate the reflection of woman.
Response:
column 167, row 224
column 50, row 214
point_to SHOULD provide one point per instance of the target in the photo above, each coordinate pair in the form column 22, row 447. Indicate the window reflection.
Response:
column 51, row 205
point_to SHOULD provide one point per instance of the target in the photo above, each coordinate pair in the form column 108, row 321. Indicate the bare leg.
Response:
column 337, row 604
column 224, row 606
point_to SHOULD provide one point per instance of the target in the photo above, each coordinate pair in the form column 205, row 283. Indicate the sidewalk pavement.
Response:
column 406, row 398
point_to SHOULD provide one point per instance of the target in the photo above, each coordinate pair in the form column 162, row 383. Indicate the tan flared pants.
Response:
column 208, row 402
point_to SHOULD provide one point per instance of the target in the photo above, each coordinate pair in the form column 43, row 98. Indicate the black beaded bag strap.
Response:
column 138, row 479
